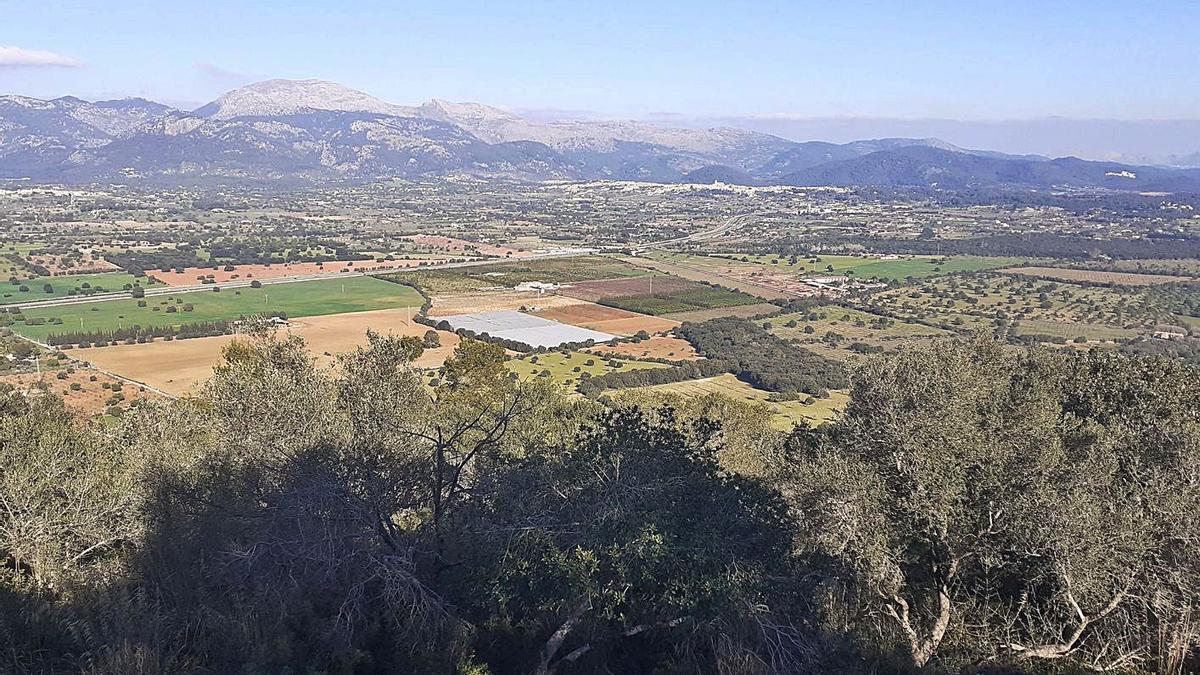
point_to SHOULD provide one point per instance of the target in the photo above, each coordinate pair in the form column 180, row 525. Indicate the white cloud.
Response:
column 19, row 57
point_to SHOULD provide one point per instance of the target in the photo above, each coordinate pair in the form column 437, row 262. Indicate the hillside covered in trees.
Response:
column 977, row 508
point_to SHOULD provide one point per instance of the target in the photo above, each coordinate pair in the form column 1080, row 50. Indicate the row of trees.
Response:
column 975, row 508
column 137, row 333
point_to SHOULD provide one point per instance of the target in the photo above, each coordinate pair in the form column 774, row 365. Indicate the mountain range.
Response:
column 312, row 130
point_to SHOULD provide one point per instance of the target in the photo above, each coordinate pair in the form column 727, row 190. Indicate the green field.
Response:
column 72, row 284
column 567, row 369
column 785, row 413
column 688, row 300
column 863, row 267
column 553, row 270
column 308, row 298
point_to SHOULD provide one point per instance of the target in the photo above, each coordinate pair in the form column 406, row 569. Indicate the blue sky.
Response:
column 954, row 60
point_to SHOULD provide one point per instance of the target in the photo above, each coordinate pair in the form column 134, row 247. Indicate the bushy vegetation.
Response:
column 975, row 508
column 140, row 334
column 762, row 360
column 624, row 379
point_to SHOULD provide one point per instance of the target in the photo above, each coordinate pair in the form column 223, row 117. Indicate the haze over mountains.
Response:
column 316, row 130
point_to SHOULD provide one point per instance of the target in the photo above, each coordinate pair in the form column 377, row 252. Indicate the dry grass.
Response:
column 464, row 247
column 606, row 319
column 1094, row 277
column 785, row 413
column 740, row 311
column 657, row 347
column 495, row 301
column 178, row 366
column 92, row 396
column 190, row 276
column 733, row 275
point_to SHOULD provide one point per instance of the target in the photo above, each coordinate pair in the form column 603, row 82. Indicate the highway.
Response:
column 731, row 224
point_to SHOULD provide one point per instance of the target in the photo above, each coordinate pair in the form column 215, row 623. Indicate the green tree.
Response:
column 675, row 551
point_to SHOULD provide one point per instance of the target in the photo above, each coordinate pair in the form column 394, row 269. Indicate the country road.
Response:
column 729, row 225
column 153, row 291
column 732, row 223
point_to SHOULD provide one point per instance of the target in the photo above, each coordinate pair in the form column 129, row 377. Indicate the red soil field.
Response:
column 620, row 288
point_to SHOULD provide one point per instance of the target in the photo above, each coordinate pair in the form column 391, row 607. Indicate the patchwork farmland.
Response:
column 657, row 295
column 310, row 298
column 606, row 319
column 53, row 287
column 524, row 328
column 656, row 347
column 193, row 276
column 178, row 366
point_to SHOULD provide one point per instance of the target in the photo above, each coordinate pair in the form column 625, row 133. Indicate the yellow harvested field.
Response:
column 178, row 366
column 1094, row 276
column 657, row 347
column 606, row 319
column 786, row 413
column 495, row 301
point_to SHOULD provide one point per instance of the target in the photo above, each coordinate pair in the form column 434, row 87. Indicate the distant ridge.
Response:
column 313, row 130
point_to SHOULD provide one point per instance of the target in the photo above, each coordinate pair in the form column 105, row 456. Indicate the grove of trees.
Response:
column 977, row 508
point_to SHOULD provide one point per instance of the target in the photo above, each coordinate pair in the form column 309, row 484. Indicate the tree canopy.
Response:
column 976, row 507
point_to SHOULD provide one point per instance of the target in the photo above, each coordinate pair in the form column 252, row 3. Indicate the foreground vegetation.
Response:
column 974, row 508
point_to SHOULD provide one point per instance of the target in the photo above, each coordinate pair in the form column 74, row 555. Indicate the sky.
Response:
column 971, row 60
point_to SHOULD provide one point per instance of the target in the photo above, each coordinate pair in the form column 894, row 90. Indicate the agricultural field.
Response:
column 535, row 331
column 549, row 270
column 69, row 285
column 10, row 268
column 1179, row 267
column 463, row 247
column 78, row 263
column 1093, row 276
column 192, row 276
column 178, row 366
column 606, row 319
column 496, row 299
column 567, row 369
column 875, row 267
column 1030, row 306
column 837, row 331
column 741, row 311
column 656, row 347
column 656, row 295
column 745, row 277
column 786, row 414
column 308, row 298
column 86, row 391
